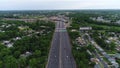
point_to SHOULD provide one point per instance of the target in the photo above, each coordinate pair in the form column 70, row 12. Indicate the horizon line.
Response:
column 53, row 9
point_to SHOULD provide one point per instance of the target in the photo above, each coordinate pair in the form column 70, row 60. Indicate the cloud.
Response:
column 58, row 4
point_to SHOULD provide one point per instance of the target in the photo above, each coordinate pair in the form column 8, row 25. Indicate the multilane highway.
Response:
column 60, row 55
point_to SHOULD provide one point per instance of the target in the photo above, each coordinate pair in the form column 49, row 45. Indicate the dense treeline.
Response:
column 82, row 19
column 82, row 57
column 29, row 51
column 29, row 14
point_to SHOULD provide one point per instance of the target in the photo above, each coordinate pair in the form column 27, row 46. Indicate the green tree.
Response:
column 17, row 54
column 1, row 64
column 33, row 63
column 10, row 62
column 112, row 46
column 22, row 62
column 37, row 53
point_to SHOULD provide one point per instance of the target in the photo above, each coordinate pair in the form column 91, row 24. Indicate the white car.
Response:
column 67, row 56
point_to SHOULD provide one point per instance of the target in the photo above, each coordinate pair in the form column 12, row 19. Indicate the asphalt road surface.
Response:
column 60, row 55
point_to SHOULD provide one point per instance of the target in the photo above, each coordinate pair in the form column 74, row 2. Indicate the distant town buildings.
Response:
column 100, row 19
column 85, row 29
column 25, row 20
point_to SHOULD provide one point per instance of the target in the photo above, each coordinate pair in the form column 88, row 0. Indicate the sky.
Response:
column 58, row 4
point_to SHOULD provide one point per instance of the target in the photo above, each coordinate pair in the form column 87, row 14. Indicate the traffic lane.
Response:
column 53, row 60
column 62, row 25
column 54, row 52
column 62, row 51
column 66, row 61
column 64, row 56
column 58, row 25
column 68, row 41
column 68, row 58
column 54, row 55
column 68, row 45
